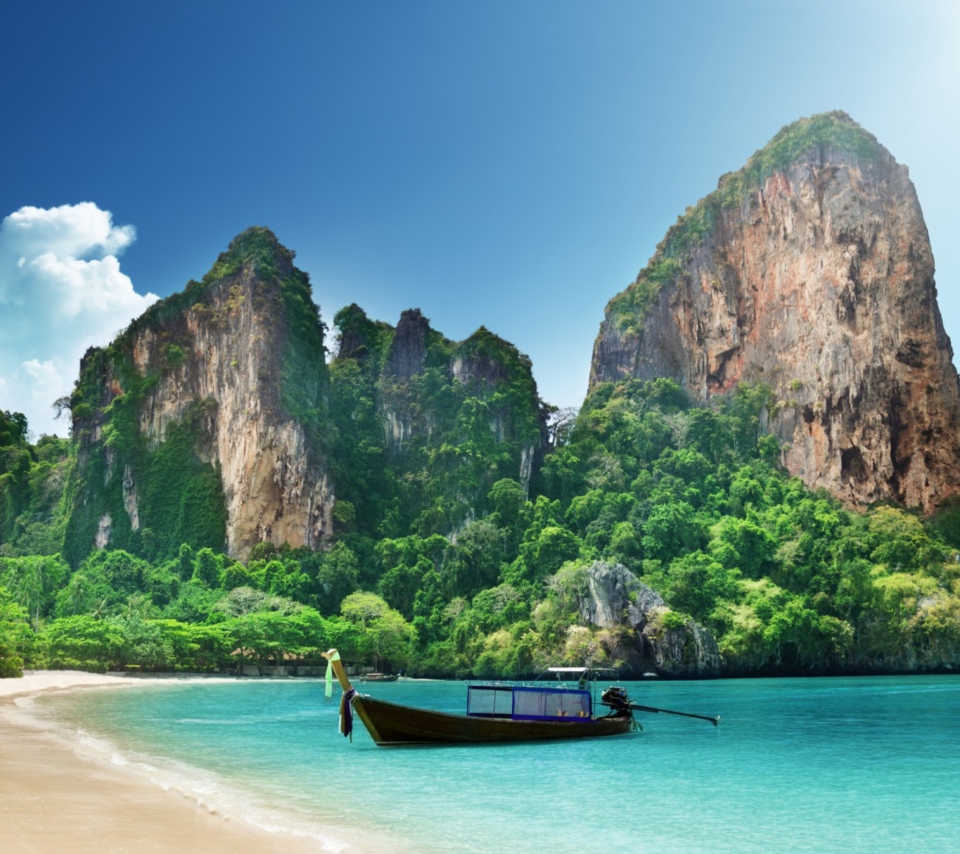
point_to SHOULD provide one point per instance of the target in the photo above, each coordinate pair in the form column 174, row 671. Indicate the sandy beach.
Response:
column 55, row 797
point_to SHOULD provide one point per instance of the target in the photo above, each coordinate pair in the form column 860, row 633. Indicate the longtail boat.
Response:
column 496, row 713
column 379, row 677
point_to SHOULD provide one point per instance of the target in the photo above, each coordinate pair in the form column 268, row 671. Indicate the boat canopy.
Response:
column 582, row 670
column 528, row 702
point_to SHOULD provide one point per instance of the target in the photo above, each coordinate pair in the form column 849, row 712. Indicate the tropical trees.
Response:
column 15, row 635
column 384, row 632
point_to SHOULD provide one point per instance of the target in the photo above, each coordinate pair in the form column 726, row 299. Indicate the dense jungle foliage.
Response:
column 690, row 499
column 420, row 454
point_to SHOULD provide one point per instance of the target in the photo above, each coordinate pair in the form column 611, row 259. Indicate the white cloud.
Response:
column 61, row 291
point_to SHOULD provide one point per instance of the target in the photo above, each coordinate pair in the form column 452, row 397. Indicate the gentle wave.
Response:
column 247, row 720
column 207, row 789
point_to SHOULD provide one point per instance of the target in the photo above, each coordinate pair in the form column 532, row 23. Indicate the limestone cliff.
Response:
column 217, row 388
column 483, row 366
column 809, row 270
column 431, row 423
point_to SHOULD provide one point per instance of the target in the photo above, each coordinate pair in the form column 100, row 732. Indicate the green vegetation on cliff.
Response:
column 690, row 499
column 31, row 489
column 462, row 544
column 180, row 498
column 419, row 452
column 787, row 580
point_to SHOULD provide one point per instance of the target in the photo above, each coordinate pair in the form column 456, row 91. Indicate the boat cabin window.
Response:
column 490, row 701
column 527, row 702
column 532, row 703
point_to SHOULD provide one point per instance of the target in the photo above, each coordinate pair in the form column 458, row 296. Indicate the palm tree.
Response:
column 37, row 577
column 77, row 594
column 30, row 588
column 99, row 609
column 137, row 605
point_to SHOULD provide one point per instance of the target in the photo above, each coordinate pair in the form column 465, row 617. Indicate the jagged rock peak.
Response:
column 254, row 256
column 357, row 334
column 408, row 353
column 470, row 373
column 483, row 359
column 809, row 270
column 258, row 248
column 480, row 360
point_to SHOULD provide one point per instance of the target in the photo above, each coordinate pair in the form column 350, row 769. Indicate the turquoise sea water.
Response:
column 844, row 765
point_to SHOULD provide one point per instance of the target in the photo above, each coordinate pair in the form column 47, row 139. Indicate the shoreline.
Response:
column 57, row 794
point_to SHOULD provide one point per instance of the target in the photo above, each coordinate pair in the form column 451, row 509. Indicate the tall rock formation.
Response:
column 203, row 422
column 214, row 420
column 809, row 270
column 430, row 424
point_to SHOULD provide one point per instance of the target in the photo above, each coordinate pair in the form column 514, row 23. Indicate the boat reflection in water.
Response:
column 496, row 713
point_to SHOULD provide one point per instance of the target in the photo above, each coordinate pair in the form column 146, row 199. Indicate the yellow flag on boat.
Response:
column 328, row 690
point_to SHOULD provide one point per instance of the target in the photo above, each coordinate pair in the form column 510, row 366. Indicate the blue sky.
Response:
column 506, row 164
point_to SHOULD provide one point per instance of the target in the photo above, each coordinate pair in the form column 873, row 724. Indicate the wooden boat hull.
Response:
column 393, row 724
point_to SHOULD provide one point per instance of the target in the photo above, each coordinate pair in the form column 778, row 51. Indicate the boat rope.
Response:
column 346, row 713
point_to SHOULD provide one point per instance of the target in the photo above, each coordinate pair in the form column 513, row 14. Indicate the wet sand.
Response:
column 54, row 797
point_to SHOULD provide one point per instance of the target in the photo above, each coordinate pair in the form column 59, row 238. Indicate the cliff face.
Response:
column 432, row 423
column 231, row 373
column 810, row 270
column 484, row 367
column 214, row 420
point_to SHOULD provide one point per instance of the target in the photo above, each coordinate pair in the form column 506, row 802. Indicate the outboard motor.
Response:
column 616, row 698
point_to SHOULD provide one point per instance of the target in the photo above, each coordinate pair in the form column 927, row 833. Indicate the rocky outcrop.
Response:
column 665, row 642
column 414, row 410
column 239, row 357
column 359, row 337
column 406, row 358
column 408, row 350
column 811, row 271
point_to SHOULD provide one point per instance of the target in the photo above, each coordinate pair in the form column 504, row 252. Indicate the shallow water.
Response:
column 867, row 764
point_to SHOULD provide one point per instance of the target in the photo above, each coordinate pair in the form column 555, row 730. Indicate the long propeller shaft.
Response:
column 638, row 708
